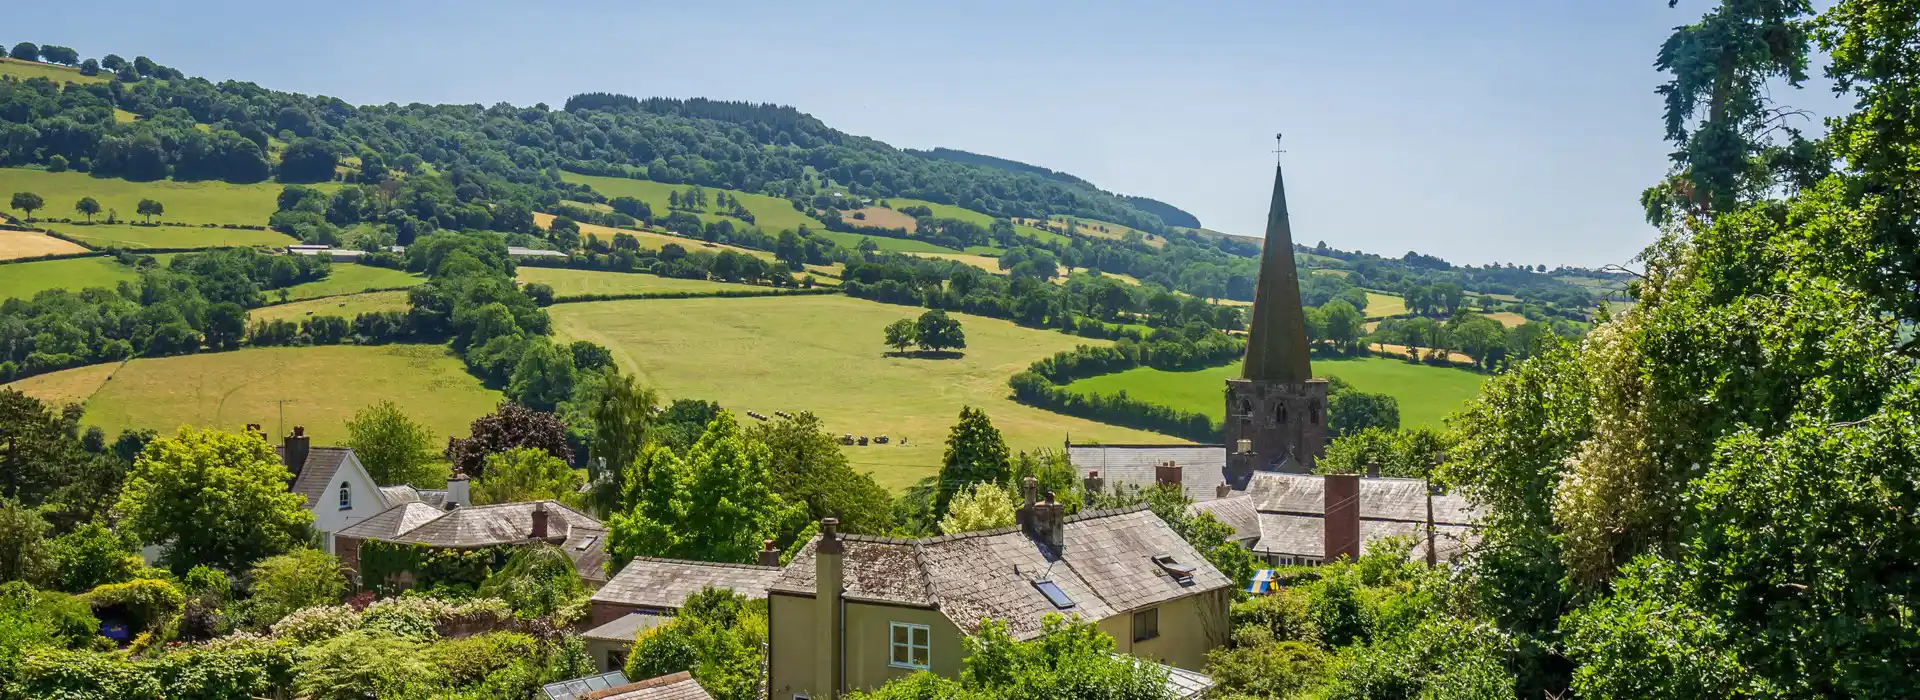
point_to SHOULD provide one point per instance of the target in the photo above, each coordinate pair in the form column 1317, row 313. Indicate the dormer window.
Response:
column 346, row 496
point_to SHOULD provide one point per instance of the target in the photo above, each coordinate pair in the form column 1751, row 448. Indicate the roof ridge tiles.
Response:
column 727, row 564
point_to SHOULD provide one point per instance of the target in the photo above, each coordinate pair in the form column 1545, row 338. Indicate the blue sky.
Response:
column 1478, row 131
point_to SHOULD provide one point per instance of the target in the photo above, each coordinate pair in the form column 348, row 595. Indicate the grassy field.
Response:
column 347, row 278
column 567, row 282
column 345, row 307
column 188, row 202
column 23, row 280
column 851, row 241
column 1426, row 394
column 771, row 214
column 1095, row 228
column 882, row 217
column 130, row 236
column 1506, row 318
column 323, row 387
column 27, row 244
column 655, row 240
column 28, row 70
column 1383, row 305
column 823, row 354
column 948, row 211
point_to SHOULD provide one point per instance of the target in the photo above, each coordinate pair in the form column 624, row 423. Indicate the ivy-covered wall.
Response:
column 391, row 567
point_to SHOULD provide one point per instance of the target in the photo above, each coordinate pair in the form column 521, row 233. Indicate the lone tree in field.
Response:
column 150, row 208
column 87, row 206
column 976, row 453
column 901, row 334
column 27, row 202
column 936, row 331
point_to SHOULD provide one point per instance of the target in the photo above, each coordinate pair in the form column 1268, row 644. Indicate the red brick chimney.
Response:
column 1167, row 474
column 769, row 554
column 1342, row 517
column 539, row 522
column 295, row 447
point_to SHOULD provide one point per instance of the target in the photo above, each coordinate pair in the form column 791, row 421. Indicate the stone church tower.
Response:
column 1276, row 410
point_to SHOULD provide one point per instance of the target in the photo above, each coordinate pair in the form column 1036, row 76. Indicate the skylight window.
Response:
column 1180, row 572
column 587, row 542
column 1054, row 594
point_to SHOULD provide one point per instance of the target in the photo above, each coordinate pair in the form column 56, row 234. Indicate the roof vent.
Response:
column 1180, row 572
column 1054, row 594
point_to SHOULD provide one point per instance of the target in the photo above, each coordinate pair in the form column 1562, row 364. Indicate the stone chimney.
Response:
column 828, row 580
column 459, row 493
column 1342, row 509
column 296, row 449
column 1167, row 474
column 1093, row 484
column 1223, row 490
column 769, row 554
column 1029, row 495
column 539, row 522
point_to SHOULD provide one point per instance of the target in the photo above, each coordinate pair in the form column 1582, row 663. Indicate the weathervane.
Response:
column 1277, row 150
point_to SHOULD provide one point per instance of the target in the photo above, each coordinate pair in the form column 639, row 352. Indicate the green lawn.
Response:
column 824, row 354
column 130, row 236
column 770, row 214
column 567, row 282
column 1426, row 394
column 347, row 278
column 28, row 70
column 186, row 202
column 23, row 280
column 345, row 307
column 322, row 388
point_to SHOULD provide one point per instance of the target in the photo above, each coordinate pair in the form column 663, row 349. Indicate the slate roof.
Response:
column 1202, row 467
column 587, row 547
column 404, row 493
column 665, row 583
column 678, row 686
column 500, row 523
column 1380, row 498
column 1105, row 567
column 317, row 474
column 625, row 627
column 1305, row 536
column 1236, row 511
column 392, row 521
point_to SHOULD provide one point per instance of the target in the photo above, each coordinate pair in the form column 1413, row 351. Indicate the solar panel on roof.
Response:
column 1054, row 594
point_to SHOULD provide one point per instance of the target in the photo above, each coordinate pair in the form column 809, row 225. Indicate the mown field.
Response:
column 567, row 282
column 1382, row 305
column 949, row 211
column 851, row 241
column 28, row 244
column 348, row 278
column 186, row 202
column 655, row 240
column 134, row 237
column 345, row 307
column 322, row 386
column 1426, row 394
column 770, row 214
column 824, row 354
column 28, row 70
column 23, row 280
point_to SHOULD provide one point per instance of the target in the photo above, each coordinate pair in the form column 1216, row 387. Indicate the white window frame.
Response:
column 346, row 496
column 894, row 647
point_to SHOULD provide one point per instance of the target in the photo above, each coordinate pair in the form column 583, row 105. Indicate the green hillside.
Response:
column 23, row 280
column 347, row 307
column 771, row 214
column 202, row 202
column 347, row 278
column 1426, row 394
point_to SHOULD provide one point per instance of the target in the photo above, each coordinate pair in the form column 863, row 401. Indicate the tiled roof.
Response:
column 587, row 547
column 1236, row 511
column 1202, row 467
column 1380, row 498
column 500, row 523
column 403, row 493
column 679, row 686
column 314, row 477
column 1305, row 536
column 393, row 521
column 1105, row 567
column 666, row 583
column 625, row 627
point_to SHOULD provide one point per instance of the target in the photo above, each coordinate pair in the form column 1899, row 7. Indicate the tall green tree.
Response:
column 277, row 586
column 716, row 504
column 976, row 453
column 622, row 412
column 24, row 554
column 393, row 448
column 936, row 331
column 150, row 208
column 27, row 202
column 526, row 474
column 718, row 636
column 214, row 498
column 87, row 206
column 900, row 335
column 809, row 468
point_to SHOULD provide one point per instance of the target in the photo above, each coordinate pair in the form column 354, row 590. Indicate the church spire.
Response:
column 1277, row 337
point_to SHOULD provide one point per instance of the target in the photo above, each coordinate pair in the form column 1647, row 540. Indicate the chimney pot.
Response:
column 1223, row 490
column 830, row 537
column 296, row 447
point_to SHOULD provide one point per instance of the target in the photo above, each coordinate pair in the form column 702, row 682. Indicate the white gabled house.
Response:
column 339, row 491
